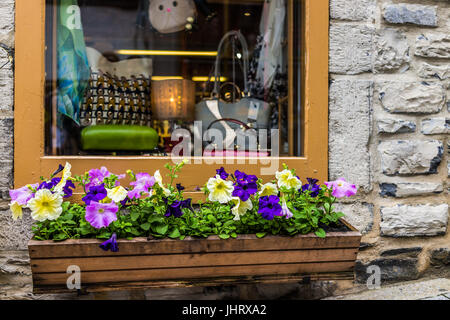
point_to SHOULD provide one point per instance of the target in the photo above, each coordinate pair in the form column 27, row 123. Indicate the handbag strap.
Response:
column 243, row 42
column 246, row 127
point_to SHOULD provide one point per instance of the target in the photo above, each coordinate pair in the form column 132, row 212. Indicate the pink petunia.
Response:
column 22, row 195
column 142, row 185
column 101, row 215
column 341, row 188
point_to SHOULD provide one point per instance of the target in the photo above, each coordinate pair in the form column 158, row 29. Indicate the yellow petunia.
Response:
column 288, row 180
column 16, row 210
column 45, row 205
column 240, row 207
column 117, row 194
column 66, row 174
column 158, row 179
column 268, row 189
column 219, row 189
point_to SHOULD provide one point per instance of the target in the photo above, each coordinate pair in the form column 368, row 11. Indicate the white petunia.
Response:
column 219, row 189
column 240, row 207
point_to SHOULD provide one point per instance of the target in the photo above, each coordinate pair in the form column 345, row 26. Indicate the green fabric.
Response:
column 119, row 138
column 73, row 65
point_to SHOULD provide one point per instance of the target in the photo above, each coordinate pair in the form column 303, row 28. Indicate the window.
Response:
column 149, row 67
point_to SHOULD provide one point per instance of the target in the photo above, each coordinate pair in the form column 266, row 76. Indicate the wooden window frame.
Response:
column 30, row 161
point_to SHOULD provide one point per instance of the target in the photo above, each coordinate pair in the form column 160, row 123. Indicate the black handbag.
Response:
column 237, row 121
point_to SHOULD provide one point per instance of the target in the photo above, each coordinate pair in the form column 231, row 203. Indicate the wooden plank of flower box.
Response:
column 143, row 263
column 140, row 246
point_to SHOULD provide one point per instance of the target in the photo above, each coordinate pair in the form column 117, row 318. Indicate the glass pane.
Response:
column 187, row 77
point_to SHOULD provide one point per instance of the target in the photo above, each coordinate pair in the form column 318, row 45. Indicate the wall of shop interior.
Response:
column 389, row 126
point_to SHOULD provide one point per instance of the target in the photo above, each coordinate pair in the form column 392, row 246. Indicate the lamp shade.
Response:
column 173, row 99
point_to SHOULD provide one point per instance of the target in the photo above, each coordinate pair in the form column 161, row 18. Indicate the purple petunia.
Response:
column 142, row 185
column 180, row 187
column 245, row 185
column 312, row 186
column 269, row 207
column 222, row 173
column 101, row 215
column 49, row 184
column 68, row 192
column 96, row 177
column 96, row 193
column 175, row 209
column 110, row 244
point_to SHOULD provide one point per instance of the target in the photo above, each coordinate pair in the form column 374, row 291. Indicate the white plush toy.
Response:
column 168, row 16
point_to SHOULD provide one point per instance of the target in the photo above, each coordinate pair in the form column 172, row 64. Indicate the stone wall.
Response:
column 389, row 127
column 388, row 131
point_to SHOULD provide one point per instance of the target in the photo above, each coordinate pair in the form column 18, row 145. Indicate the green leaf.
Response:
column 321, row 233
column 261, row 234
column 134, row 215
column 145, row 226
column 161, row 228
column 224, row 236
column 174, row 234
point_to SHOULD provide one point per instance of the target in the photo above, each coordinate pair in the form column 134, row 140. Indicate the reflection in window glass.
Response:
column 126, row 77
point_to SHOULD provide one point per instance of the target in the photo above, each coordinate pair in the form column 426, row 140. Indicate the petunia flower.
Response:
column 49, row 185
column 180, row 187
column 16, row 210
column 45, row 205
column 222, row 173
column 268, row 189
column 287, row 180
column 65, row 176
column 285, row 212
column 67, row 190
column 110, row 244
column 96, row 193
column 117, row 194
column 341, row 188
column 23, row 195
column 158, row 179
column 101, row 215
column 96, row 177
column 312, row 186
column 240, row 207
column 141, row 186
column 244, row 189
column 219, row 189
column 269, row 207
column 175, row 209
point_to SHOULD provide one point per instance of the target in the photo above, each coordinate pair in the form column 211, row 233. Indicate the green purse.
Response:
column 119, row 138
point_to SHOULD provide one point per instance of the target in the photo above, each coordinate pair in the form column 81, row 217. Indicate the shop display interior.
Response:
column 121, row 76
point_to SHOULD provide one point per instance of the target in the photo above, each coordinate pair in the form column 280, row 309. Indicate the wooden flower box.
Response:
column 143, row 263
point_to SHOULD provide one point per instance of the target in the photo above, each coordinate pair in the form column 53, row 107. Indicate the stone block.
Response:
column 414, row 221
column 395, row 126
column 352, row 10
column 359, row 215
column 441, row 72
column 391, row 51
column 411, row 97
column 433, row 45
column 410, row 157
column 410, row 189
column 403, row 13
column 350, row 129
column 436, row 126
column 350, row 48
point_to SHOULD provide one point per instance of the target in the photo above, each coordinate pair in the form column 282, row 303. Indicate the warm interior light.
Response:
column 247, row 14
column 160, row 78
column 204, row 79
column 166, row 53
